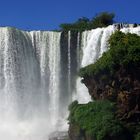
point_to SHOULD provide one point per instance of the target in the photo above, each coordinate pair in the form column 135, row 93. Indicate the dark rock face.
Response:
column 64, row 66
column 75, row 132
column 123, row 88
column 66, row 91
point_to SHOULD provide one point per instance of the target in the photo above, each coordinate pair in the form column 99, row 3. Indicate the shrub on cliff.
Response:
column 124, row 51
column 100, row 20
column 97, row 119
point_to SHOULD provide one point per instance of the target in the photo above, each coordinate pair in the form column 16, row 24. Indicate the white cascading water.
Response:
column 69, row 63
column 95, row 43
column 47, row 46
column 19, row 78
column 30, row 78
column 78, row 52
column 132, row 30
column 29, row 84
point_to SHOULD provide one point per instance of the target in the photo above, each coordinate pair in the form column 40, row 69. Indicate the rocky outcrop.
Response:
column 75, row 132
column 64, row 85
column 123, row 87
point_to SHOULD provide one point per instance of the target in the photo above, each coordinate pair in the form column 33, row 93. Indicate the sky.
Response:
column 49, row 14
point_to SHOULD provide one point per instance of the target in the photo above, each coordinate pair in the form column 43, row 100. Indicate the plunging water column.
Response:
column 29, row 83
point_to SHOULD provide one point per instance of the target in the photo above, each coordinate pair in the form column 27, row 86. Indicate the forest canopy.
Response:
column 124, row 51
column 100, row 20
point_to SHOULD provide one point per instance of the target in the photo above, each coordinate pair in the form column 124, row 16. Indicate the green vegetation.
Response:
column 124, row 51
column 137, row 136
column 97, row 119
column 100, row 20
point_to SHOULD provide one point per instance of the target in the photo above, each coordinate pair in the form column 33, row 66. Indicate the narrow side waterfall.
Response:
column 69, row 63
column 38, row 77
column 78, row 51
column 81, row 92
column 95, row 43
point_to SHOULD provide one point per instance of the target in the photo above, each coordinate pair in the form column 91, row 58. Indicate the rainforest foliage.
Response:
column 97, row 119
column 100, row 20
column 123, row 51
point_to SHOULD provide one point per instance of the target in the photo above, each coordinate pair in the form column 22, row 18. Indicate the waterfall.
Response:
column 19, row 70
column 20, row 80
column 95, row 43
column 38, row 76
column 69, row 63
column 78, row 52
column 29, row 77
column 47, row 46
column 131, row 30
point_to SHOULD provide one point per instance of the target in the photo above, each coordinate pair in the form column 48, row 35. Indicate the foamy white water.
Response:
column 69, row 62
column 29, row 77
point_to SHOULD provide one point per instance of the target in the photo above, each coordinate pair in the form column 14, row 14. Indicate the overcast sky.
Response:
column 48, row 14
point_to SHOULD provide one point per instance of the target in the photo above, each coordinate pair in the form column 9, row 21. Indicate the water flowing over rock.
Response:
column 29, row 83
column 93, row 44
column 38, row 77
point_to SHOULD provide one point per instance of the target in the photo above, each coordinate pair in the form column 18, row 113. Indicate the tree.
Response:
column 100, row 20
column 103, row 19
column 124, row 51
